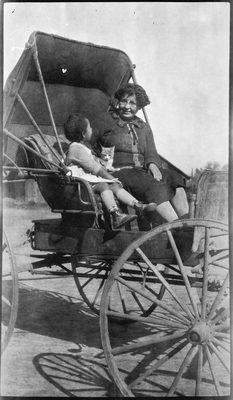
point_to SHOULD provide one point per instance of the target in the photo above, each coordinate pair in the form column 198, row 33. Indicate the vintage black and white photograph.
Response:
column 115, row 199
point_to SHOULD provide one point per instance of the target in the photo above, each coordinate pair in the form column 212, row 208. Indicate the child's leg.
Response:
column 126, row 198
column 118, row 218
column 122, row 195
column 106, row 195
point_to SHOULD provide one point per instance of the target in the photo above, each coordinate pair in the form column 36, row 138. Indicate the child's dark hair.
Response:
column 74, row 127
column 133, row 89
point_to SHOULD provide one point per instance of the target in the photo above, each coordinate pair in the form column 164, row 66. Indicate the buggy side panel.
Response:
column 212, row 196
column 50, row 235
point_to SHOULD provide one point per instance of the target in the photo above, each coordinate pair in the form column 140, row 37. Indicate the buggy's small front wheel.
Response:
column 91, row 274
column 183, row 347
column 10, row 293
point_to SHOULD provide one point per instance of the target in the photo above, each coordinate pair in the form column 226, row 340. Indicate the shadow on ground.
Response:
column 57, row 315
column 76, row 375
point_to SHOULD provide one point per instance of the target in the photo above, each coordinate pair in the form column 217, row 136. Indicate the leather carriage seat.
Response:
column 38, row 144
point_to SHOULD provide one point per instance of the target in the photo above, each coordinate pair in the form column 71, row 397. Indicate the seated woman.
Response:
column 140, row 170
column 83, row 164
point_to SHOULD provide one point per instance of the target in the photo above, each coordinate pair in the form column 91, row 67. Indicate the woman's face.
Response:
column 128, row 107
column 88, row 133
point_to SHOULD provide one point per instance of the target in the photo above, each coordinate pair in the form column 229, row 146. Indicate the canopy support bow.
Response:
column 35, row 57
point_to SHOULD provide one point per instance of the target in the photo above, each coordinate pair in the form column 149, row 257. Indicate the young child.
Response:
column 82, row 163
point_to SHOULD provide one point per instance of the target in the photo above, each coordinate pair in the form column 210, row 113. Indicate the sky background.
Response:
column 181, row 52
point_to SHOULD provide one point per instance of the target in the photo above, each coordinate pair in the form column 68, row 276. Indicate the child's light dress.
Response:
column 82, row 163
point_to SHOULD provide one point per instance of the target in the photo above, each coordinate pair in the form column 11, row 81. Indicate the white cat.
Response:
column 106, row 158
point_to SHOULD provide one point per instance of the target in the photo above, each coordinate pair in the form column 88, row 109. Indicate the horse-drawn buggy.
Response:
column 167, row 289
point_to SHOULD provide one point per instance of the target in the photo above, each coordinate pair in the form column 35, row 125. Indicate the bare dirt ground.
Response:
column 56, row 349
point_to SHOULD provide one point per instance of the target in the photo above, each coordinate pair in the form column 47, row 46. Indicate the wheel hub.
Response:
column 200, row 332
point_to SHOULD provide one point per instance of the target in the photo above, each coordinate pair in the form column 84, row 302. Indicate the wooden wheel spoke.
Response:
column 138, row 301
column 214, row 376
column 205, row 273
column 219, row 265
column 222, row 335
column 121, row 297
column 164, row 282
column 220, row 356
column 220, row 343
column 148, row 320
column 222, row 315
column 6, row 301
column 99, row 289
column 153, row 299
column 86, row 282
column 189, row 356
column 151, row 290
column 146, row 342
column 172, row 318
column 158, row 364
column 199, row 371
column 219, row 298
column 184, row 275
column 223, row 255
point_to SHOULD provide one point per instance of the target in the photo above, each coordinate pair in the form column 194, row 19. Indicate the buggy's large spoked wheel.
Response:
column 183, row 347
column 10, row 293
column 90, row 276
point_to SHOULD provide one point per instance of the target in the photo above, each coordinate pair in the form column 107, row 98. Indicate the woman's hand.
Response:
column 155, row 172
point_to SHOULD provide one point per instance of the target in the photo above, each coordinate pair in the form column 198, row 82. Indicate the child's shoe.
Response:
column 119, row 219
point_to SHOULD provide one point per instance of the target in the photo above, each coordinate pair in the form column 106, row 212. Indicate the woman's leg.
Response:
column 147, row 189
column 179, row 199
column 166, row 211
column 126, row 198
column 180, row 203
